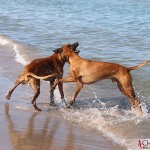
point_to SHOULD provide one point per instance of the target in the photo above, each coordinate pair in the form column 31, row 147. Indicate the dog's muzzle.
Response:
column 74, row 46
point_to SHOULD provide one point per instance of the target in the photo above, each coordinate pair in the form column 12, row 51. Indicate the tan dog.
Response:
column 84, row 71
column 48, row 69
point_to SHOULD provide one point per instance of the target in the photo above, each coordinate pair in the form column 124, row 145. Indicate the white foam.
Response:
column 16, row 47
column 144, row 108
column 110, row 122
column 19, row 58
column 3, row 42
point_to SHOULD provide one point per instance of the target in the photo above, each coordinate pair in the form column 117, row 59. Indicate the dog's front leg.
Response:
column 67, row 79
column 79, row 87
column 59, row 83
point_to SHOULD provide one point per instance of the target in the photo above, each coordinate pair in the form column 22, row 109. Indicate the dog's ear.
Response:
column 58, row 50
column 68, row 45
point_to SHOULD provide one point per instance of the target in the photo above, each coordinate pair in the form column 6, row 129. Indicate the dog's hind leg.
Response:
column 11, row 91
column 21, row 80
column 35, row 84
column 131, row 99
column 128, row 91
column 60, row 87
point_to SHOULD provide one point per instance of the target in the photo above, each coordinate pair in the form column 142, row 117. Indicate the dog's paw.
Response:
column 38, row 109
column 7, row 97
column 69, row 106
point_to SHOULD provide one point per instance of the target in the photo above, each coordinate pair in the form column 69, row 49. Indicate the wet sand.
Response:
column 26, row 130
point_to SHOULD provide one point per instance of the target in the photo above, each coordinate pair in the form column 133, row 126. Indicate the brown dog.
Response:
column 48, row 69
column 84, row 71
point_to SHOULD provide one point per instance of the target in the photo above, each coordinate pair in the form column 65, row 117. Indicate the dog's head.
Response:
column 66, row 50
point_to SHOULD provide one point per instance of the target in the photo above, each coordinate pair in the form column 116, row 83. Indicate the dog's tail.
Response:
column 41, row 77
column 138, row 66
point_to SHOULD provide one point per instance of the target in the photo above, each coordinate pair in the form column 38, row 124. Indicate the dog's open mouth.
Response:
column 74, row 46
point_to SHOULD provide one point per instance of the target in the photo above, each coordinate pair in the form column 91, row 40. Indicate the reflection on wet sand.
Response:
column 70, row 140
column 43, row 131
column 37, row 137
column 30, row 138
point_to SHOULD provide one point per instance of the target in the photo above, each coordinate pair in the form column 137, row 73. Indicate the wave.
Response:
column 17, row 47
column 19, row 58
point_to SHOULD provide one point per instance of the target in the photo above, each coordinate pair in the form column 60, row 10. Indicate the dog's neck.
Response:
column 59, row 57
column 72, row 57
